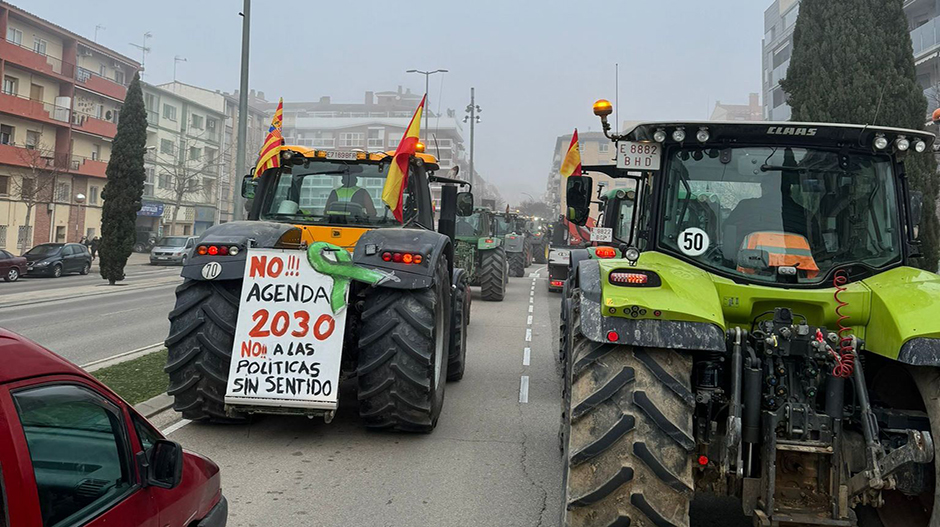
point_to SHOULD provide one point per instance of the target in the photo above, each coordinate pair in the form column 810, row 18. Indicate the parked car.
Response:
column 56, row 259
column 11, row 267
column 73, row 452
column 145, row 241
column 173, row 250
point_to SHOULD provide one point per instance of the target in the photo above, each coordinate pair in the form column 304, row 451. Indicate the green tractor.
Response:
column 512, row 229
column 539, row 236
column 482, row 253
column 762, row 334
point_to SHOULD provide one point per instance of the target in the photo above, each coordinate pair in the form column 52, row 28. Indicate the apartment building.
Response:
column 183, row 163
column 60, row 104
column 595, row 149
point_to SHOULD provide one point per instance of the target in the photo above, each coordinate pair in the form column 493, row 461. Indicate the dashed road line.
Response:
column 528, row 334
column 524, row 389
column 175, row 426
column 526, row 356
column 530, row 308
column 528, row 321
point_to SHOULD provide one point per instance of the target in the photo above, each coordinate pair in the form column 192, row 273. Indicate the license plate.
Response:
column 638, row 156
column 288, row 341
column 602, row 234
column 341, row 155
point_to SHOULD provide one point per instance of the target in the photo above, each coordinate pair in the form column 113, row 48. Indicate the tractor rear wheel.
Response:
column 493, row 274
column 457, row 359
column 199, row 348
column 517, row 264
column 628, row 436
column 403, row 348
column 541, row 253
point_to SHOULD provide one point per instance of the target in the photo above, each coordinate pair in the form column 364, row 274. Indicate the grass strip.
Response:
column 137, row 380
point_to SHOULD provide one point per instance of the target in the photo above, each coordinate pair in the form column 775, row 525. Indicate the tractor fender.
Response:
column 488, row 243
column 261, row 234
column 515, row 243
column 430, row 244
column 574, row 261
column 671, row 334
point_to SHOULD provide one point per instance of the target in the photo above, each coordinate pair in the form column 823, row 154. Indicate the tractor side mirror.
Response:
column 917, row 207
column 578, row 198
column 249, row 184
column 464, row 204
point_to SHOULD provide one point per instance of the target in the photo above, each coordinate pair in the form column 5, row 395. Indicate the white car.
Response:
column 173, row 250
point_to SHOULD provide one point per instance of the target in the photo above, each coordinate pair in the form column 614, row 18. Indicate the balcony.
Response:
column 28, row 156
column 93, row 125
column 103, row 85
column 34, row 109
column 28, row 58
column 925, row 38
column 88, row 167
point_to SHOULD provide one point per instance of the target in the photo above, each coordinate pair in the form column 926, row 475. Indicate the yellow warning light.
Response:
column 321, row 154
column 419, row 147
column 360, row 156
column 603, row 108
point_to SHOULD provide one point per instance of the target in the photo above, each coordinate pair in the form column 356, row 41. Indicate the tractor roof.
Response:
column 361, row 155
column 790, row 133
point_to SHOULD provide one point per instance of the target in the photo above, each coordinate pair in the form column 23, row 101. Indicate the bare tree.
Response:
column 36, row 185
column 536, row 208
column 189, row 172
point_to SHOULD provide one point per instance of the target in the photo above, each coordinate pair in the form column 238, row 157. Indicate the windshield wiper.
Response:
column 767, row 168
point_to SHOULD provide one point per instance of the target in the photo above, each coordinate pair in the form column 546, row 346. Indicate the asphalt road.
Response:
column 493, row 459
column 87, row 328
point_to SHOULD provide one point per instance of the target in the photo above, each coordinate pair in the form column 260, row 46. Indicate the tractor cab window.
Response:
column 476, row 224
column 624, row 220
column 334, row 193
column 779, row 214
column 503, row 226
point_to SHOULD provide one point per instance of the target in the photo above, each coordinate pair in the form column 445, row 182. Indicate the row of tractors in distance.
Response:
column 754, row 329
column 406, row 306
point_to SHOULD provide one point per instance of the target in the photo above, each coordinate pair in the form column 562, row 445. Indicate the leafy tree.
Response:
column 125, row 187
column 853, row 62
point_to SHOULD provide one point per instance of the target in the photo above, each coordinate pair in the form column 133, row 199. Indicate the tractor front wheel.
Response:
column 493, row 274
column 403, row 351
column 628, row 436
column 517, row 264
column 457, row 359
column 199, row 348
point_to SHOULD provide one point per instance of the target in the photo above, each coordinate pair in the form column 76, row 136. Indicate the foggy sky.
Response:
column 537, row 66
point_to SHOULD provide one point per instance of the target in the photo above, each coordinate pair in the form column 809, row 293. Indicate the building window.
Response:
column 194, row 153
column 91, row 233
column 23, row 234
column 119, row 77
column 208, row 186
column 4, row 187
column 603, row 148
column 779, row 97
column 323, row 139
column 150, row 101
column 376, row 137
column 103, row 71
column 39, row 45
column 6, row 135
column 195, row 121
column 166, row 146
column 3, row 236
column 393, row 140
column 169, row 112
column 95, row 152
column 148, row 182
column 32, row 139
column 163, row 180
column 62, row 191
column 92, row 195
column 782, row 55
column 10, row 85
column 347, row 139
column 210, row 156
column 15, row 36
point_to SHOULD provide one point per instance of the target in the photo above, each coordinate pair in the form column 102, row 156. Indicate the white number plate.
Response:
column 341, row 155
column 602, row 234
column 288, row 341
column 639, row 156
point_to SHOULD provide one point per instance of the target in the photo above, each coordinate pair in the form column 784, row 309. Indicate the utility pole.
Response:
column 242, row 113
column 472, row 111
column 427, row 75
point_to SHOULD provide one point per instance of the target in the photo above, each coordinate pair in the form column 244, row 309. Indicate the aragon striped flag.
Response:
column 271, row 150
column 571, row 165
column 397, row 178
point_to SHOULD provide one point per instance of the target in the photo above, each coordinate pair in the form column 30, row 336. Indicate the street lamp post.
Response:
column 80, row 199
column 427, row 76
column 242, row 129
column 473, row 116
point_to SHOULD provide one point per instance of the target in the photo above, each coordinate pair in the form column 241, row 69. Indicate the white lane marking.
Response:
column 524, row 389
column 175, row 426
column 126, row 353
column 530, row 308
column 528, row 321
column 531, row 300
column 528, row 334
column 526, row 355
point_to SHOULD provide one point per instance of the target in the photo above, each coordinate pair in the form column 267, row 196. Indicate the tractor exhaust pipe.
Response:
column 447, row 222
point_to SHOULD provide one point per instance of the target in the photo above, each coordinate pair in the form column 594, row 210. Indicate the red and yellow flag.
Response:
column 270, row 152
column 571, row 165
column 397, row 177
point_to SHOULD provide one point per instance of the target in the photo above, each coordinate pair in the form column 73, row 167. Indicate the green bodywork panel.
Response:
column 886, row 310
column 488, row 243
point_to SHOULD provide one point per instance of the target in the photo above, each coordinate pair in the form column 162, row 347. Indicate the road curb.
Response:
column 155, row 405
column 89, row 293
column 122, row 357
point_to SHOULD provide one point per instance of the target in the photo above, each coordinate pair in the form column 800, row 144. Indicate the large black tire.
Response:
column 457, row 358
column 517, row 264
column 528, row 251
column 541, row 253
column 493, row 274
column 199, row 348
column 403, row 356
column 629, row 441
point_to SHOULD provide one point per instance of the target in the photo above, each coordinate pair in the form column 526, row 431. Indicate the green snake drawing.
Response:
column 343, row 270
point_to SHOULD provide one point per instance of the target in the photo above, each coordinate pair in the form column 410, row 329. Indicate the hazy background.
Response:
column 537, row 66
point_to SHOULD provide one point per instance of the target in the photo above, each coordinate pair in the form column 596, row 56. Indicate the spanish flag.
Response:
column 571, row 165
column 397, row 177
column 270, row 152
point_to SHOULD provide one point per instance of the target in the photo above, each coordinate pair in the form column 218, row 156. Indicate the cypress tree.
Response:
column 853, row 62
column 125, row 187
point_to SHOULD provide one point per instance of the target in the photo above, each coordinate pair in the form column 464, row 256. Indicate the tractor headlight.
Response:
column 678, row 135
column 632, row 254
column 702, row 135
column 902, row 144
column 659, row 135
column 880, row 142
column 919, row 146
